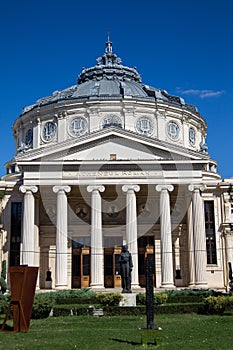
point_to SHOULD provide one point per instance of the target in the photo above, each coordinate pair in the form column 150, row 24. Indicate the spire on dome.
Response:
column 109, row 58
column 109, row 67
column 108, row 45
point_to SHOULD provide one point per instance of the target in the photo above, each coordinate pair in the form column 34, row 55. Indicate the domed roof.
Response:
column 110, row 79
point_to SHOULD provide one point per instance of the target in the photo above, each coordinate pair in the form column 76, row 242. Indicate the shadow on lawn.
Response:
column 7, row 328
column 125, row 341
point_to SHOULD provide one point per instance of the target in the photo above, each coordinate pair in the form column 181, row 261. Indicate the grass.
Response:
column 181, row 332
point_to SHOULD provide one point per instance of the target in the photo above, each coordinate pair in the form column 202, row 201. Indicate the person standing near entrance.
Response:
column 126, row 265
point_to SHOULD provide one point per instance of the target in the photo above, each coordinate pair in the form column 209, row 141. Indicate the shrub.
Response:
column 84, row 294
column 42, row 306
column 141, row 299
column 110, row 299
column 3, row 273
column 199, row 292
column 159, row 298
column 229, row 303
column 3, row 285
column 71, row 300
column 190, row 295
column 215, row 305
column 4, row 301
column 74, row 296
column 3, row 277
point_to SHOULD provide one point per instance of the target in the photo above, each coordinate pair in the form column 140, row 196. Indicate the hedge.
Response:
column 130, row 311
column 74, row 300
column 84, row 301
column 42, row 306
column 101, row 298
column 71, row 311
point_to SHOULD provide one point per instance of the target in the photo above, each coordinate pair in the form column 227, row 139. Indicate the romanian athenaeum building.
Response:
column 112, row 161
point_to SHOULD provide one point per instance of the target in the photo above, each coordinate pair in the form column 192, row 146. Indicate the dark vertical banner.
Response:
column 149, row 293
column 16, row 219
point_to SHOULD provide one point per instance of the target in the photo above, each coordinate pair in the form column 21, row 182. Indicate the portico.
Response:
column 104, row 217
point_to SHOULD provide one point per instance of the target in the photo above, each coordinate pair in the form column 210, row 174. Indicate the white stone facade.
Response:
column 108, row 162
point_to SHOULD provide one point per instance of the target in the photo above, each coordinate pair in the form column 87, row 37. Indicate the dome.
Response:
column 110, row 79
column 109, row 88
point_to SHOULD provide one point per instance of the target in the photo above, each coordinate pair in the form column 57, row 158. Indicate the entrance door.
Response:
column 80, row 264
column 146, row 248
column 112, row 277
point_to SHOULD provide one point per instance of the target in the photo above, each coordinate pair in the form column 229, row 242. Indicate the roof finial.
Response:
column 108, row 44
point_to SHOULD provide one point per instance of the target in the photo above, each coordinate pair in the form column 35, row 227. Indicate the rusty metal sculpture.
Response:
column 23, row 284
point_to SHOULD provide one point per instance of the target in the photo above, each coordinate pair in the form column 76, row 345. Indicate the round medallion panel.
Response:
column 144, row 126
column 49, row 131
column 173, row 130
column 78, row 126
column 29, row 137
column 192, row 136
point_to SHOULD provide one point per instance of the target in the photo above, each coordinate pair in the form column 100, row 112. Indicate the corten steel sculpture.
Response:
column 126, row 264
column 23, row 284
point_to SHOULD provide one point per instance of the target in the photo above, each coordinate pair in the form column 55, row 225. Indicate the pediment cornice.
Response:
column 161, row 149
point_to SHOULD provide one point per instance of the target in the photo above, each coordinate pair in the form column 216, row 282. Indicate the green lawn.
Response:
column 186, row 331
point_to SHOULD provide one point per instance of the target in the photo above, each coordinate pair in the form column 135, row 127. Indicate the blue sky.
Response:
column 184, row 47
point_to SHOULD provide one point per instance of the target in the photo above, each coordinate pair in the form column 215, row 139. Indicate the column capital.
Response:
column 25, row 189
column 196, row 187
column 99, row 188
column 227, row 229
column 160, row 188
column 126, row 188
column 227, row 233
column 57, row 189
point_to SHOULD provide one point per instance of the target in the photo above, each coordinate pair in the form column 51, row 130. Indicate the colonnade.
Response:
column 196, row 234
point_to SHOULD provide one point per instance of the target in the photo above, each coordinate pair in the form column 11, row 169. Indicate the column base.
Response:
column 191, row 285
column 168, row 286
column 135, row 286
column 203, row 285
column 61, row 286
column 96, row 286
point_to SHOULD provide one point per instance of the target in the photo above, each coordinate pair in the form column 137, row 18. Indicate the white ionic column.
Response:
column 166, row 236
column 131, row 229
column 228, row 235
column 28, row 241
column 97, row 253
column 191, row 259
column 199, row 235
column 229, row 246
column 61, row 236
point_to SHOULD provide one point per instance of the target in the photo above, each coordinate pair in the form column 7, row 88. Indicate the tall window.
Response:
column 210, row 233
column 16, row 212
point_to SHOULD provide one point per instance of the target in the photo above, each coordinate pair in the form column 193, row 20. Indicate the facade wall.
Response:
column 147, row 211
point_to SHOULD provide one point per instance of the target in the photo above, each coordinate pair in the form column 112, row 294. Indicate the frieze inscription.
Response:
column 103, row 174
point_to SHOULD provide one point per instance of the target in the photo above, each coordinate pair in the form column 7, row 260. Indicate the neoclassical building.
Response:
column 112, row 161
